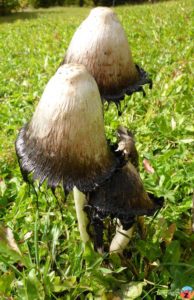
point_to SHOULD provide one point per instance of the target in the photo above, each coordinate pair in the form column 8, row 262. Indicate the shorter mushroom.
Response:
column 101, row 44
column 122, row 196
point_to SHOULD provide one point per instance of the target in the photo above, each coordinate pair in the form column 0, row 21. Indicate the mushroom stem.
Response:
column 121, row 239
column 80, row 201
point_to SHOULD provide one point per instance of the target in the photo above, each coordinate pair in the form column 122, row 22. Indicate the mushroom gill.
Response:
column 101, row 44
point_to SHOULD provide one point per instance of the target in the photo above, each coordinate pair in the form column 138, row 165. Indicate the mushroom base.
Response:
column 97, row 216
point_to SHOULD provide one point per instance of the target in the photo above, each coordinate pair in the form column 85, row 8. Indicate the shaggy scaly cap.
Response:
column 65, row 140
column 100, row 44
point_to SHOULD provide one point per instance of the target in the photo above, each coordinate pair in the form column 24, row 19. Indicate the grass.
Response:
column 45, row 259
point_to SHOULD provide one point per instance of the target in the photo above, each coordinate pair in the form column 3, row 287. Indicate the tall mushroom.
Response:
column 101, row 44
column 65, row 140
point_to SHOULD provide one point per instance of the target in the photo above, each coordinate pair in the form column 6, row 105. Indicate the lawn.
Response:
column 46, row 259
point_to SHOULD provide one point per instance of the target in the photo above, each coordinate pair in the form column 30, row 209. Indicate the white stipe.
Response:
column 80, row 201
column 121, row 239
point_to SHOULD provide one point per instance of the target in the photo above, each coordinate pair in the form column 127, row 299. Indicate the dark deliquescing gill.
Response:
column 144, row 78
column 56, row 171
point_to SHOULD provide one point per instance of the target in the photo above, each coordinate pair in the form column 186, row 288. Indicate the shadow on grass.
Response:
column 35, row 13
column 18, row 16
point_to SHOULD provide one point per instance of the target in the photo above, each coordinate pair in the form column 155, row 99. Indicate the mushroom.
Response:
column 122, row 196
column 65, row 140
column 101, row 44
column 65, row 143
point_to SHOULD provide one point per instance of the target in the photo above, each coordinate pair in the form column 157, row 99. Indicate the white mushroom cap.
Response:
column 100, row 44
column 65, row 140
